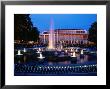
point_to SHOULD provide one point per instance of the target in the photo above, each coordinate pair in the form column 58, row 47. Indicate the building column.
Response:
column 57, row 37
column 44, row 38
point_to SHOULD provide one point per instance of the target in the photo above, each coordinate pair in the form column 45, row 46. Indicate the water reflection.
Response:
column 24, row 58
column 64, row 62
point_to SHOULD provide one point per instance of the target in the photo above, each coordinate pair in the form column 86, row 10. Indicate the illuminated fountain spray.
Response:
column 51, row 37
column 24, row 50
column 39, row 51
column 82, row 52
column 76, row 50
column 74, row 55
column 66, row 51
column 41, row 56
column 19, row 52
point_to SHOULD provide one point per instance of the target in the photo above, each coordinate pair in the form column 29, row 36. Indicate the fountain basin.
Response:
column 19, row 54
column 41, row 57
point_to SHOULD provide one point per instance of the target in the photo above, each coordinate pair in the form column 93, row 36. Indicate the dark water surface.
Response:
column 55, row 63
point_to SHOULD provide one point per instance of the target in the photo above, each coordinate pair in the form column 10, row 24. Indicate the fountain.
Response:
column 71, row 50
column 76, row 50
column 19, row 52
column 66, row 51
column 82, row 52
column 74, row 55
column 51, row 37
column 61, row 45
column 41, row 57
column 24, row 50
column 38, row 51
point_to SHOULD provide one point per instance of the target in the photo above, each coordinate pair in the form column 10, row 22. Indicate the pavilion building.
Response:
column 66, row 36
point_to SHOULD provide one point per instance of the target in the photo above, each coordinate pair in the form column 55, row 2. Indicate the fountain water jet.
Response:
column 82, row 52
column 24, row 50
column 41, row 57
column 71, row 50
column 19, row 52
column 38, row 51
column 66, row 51
column 51, row 37
column 74, row 55
column 76, row 50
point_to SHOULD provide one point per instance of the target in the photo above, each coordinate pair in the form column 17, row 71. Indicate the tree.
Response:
column 93, row 33
column 23, row 28
column 34, row 34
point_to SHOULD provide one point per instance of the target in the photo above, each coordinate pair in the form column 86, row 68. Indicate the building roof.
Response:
column 47, row 32
column 69, row 29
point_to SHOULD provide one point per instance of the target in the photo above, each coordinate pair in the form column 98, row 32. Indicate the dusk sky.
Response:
column 63, row 21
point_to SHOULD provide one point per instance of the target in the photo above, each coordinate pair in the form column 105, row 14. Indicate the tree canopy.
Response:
column 23, row 28
column 93, row 33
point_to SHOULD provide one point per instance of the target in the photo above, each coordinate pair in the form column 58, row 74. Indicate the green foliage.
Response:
column 23, row 28
column 34, row 34
column 93, row 33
